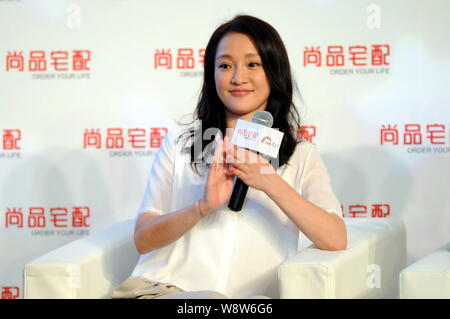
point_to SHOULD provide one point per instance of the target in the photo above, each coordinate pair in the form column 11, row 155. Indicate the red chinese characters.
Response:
column 80, row 216
column 58, row 216
column 247, row 133
column 352, row 55
column 92, row 138
column 379, row 55
column 163, row 59
column 15, row 60
column 367, row 211
column 37, row 61
column 312, row 56
column 60, row 60
column 14, row 217
column 389, row 134
column 184, row 59
column 307, row 133
column 9, row 292
column 335, row 55
column 201, row 53
column 136, row 137
column 436, row 133
column 80, row 60
column 118, row 138
column 358, row 55
column 413, row 134
column 36, row 217
column 114, row 138
column 381, row 210
column 156, row 137
column 40, row 217
column 41, row 61
column 10, row 139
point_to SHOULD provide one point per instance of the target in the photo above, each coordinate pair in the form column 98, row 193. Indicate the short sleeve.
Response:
column 158, row 192
column 316, row 185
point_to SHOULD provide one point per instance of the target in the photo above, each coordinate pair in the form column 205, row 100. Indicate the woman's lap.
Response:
column 144, row 288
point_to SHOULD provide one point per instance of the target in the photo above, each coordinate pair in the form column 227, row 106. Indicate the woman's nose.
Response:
column 239, row 76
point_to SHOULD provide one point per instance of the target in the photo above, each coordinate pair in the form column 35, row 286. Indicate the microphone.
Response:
column 240, row 188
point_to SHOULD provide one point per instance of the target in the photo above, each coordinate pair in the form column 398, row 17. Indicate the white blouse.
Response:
column 234, row 253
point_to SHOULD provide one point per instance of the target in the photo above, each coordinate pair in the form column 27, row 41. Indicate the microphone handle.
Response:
column 238, row 196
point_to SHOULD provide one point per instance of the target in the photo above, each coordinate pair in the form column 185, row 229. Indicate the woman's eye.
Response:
column 254, row 64
column 224, row 66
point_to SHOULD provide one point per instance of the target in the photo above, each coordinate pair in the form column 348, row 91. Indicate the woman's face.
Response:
column 241, row 81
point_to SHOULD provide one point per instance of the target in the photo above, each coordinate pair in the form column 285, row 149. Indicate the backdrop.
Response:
column 90, row 88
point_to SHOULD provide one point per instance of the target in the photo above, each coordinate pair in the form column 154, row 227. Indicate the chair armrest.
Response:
column 429, row 277
column 89, row 267
column 368, row 268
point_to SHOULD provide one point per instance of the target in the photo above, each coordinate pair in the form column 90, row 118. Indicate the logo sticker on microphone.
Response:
column 266, row 140
column 247, row 135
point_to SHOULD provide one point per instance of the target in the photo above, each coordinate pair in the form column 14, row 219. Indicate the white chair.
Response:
column 92, row 266
column 429, row 277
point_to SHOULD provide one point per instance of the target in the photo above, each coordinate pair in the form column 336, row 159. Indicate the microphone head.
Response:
column 263, row 118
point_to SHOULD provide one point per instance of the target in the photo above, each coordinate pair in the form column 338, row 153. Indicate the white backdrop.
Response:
column 89, row 88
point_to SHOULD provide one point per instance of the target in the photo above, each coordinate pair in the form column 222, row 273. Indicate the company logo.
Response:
column 10, row 292
column 374, row 210
column 10, row 143
column 117, row 140
column 352, row 59
column 66, row 64
column 56, row 217
column 248, row 134
column 415, row 136
column 186, row 59
column 266, row 140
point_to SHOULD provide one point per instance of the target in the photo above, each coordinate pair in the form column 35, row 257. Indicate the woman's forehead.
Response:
column 247, row 55
column 236, row 44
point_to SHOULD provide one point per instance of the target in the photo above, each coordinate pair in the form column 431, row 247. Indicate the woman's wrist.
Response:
column 273, row 185
column 202, row 208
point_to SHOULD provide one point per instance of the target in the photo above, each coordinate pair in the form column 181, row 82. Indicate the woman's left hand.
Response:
column 253, row 169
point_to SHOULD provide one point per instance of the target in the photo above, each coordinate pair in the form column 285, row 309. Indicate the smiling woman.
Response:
column 247, row 69
column 192, row 244
column 241, row 81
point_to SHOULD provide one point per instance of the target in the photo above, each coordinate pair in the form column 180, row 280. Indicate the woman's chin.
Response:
column 241, row 111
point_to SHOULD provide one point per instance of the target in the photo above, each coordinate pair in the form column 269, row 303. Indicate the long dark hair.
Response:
column 211, row 111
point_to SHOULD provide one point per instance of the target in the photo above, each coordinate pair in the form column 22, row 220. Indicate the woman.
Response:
column 192, row 245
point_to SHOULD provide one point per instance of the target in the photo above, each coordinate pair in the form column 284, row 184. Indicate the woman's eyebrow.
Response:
column 248, row 55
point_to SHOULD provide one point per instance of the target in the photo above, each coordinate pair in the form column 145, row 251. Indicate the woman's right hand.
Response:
column 219, row 184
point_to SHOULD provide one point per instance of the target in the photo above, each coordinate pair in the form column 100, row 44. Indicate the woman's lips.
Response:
column 240, row 92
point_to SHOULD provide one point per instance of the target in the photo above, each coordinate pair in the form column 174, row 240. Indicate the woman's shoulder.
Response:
column 305, row 152
column 304, row 144
column 303, row 149
column 177, row 132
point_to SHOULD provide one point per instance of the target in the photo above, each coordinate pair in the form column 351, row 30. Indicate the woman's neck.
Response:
column 232, row 119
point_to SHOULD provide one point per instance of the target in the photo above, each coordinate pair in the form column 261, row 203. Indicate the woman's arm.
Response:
column 326, row 230
column 154, row 231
